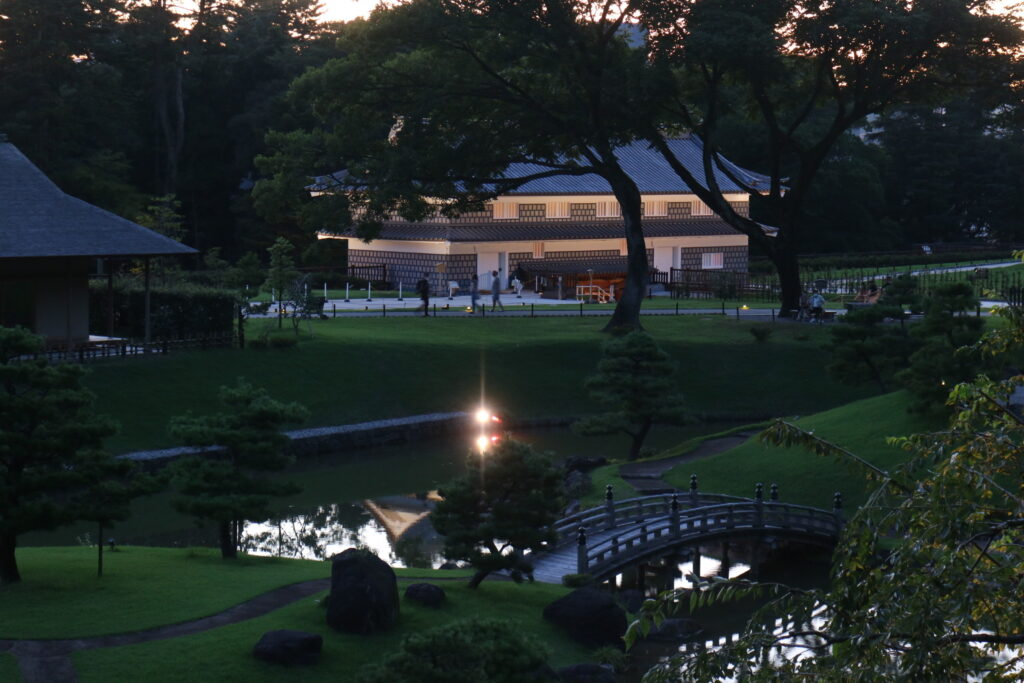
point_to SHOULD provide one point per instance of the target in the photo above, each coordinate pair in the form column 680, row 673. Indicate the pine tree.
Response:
column 237, row 485
column 51, row 457
column 634, row 379
column 503, row 506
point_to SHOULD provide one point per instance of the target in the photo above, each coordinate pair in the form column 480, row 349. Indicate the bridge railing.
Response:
column 616, row 513
column 642, row 537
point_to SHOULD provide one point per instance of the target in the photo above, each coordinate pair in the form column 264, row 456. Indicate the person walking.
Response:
column 817, row 306
column 423, row 289
column 474, row 292
column 496, row 291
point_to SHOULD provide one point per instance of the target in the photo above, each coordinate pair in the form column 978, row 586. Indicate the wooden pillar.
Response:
column 67, row 307
column 148, row 327
column 110, row 297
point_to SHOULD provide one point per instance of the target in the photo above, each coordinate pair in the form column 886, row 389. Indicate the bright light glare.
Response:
column 482, row 416
column 482, row 443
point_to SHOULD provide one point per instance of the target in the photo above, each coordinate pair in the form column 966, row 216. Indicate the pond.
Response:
column 377, row 498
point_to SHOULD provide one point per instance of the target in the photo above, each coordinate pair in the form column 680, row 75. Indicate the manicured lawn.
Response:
column 9, row 669
column 61, row 597
column 861, row 427
column 355, row 370
column 225, row 654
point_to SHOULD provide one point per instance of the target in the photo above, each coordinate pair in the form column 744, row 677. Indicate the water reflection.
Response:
column 395, row 528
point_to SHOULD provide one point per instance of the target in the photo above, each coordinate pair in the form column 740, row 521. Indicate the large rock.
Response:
column 587, row 673
column 364, row 593
column 631, row 600
column 590, row 616
column 289, row 647
column 583, row 463
column 426, row 594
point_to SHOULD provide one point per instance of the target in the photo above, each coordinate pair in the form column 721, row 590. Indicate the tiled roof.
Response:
column 37, row 220
column 548, row 230
column 645, row 165
column 648, row 169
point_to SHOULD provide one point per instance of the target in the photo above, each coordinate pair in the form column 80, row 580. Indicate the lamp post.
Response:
column 590, row 272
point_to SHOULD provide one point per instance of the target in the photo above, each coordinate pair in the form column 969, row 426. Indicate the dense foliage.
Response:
column 634, row 381
column 925, row 580
column 500, row 509
column 237, row 483
column 53, row 469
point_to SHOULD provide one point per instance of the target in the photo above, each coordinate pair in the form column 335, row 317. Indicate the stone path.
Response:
column 49, row 661
column 646, row 477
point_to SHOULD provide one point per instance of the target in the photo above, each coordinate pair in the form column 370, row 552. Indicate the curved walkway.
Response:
column 49, row 661
column 646, row 477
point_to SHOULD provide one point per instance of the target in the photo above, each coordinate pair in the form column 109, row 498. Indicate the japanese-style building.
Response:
column 50, row 243
column 565, row 225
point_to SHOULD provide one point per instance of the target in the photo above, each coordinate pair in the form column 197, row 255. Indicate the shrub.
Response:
column 177, row 312
column 761, row 333
column 577, row 580
column 613, row 657
column 466, row 651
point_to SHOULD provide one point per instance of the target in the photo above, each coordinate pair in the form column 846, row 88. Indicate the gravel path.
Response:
column 646, row 477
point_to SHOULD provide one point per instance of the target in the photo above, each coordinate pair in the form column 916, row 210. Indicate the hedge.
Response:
column 182, row 312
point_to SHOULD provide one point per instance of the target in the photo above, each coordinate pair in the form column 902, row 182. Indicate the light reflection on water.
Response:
column 395, row 528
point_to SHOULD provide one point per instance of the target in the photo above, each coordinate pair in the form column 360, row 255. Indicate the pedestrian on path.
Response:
column 496, row 291
column 817, row 306
column 423, row 289
column 474, row 292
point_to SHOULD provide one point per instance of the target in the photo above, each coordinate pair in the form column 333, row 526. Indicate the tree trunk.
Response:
column 8, row 561
column 228, row 549
column 638, row 440
column 99, row 550
column 627, row 310
column 788, row 267
column 480, row 575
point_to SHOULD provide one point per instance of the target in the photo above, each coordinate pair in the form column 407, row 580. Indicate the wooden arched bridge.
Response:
column 602, row 541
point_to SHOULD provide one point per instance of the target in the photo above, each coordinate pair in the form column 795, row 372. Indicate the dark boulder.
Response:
column 364, row 593
column 289, row 647
column 590, row 616
column 426, row 594
column 450, row 564
column 587, row 672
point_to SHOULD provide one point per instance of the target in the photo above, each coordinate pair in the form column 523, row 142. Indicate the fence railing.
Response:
column 124, row 348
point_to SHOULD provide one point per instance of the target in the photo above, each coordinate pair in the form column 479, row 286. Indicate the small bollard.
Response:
column 334, row 310
column 774, row 492
column 759, row 492
column 693, row 490
column 383, row 310
column 531, row 309
column 581, row 309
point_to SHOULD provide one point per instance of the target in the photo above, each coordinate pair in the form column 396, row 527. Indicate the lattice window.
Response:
column 558, row 210
column 656, row 209
column 583, row 211
column 532, row 211
column 701, row 209
column 678, row 209
column 506, row 211
column 712, row 260
column 609, row 210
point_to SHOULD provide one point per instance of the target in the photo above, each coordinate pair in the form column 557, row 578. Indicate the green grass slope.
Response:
column 861, row 427
column 9, row 669
column 225, row 654
column 357, row 370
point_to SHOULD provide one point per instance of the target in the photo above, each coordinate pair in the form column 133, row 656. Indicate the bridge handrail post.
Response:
column 693, row 490
column 730, row 521
column 582, row 565
column 759, row 507
column 609, row 505
column 837, row 509
column 674, row 507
